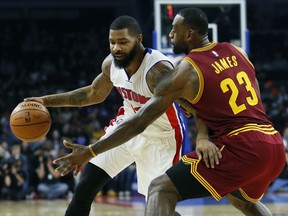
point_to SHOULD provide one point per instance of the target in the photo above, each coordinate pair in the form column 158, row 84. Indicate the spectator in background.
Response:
column 14, row 172
column 16, row 155
column 4, row 151
column 15, row 175
column 50, row 185
column 14, row 180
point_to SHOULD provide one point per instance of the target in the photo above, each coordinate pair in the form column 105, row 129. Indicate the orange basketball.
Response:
column 30, row 121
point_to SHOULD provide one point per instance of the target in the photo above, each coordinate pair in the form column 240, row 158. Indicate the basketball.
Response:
column 30, row 121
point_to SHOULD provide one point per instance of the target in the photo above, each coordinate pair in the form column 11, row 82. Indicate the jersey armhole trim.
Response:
column 200, row 77
column 243, row 53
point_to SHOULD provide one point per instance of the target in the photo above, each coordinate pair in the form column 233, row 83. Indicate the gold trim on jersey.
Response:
column 266, row 129
column 201, row 79
column 243, row 54
column 205, row 48
column 194, row 164
column 245, row 196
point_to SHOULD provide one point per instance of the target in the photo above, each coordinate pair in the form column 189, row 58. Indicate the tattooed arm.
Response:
column 88, row 95
column 157, row 73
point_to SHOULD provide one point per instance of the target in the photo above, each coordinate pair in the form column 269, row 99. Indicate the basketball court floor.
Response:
column 278, row 204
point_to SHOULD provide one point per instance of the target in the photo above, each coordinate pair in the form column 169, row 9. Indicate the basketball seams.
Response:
column 30, row 123
column 42, row 119
column 43, row 111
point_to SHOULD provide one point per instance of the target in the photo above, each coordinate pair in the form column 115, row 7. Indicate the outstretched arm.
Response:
column 88, row 95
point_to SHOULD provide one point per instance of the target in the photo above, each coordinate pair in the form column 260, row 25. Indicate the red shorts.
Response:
column 250, row 163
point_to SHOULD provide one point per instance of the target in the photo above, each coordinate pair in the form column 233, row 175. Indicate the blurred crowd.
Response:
column 39, row 58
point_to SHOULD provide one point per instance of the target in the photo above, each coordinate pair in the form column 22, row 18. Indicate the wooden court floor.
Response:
column 135, row 207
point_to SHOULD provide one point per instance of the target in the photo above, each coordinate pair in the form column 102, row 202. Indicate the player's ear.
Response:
column 140, row 38
column 190, row 34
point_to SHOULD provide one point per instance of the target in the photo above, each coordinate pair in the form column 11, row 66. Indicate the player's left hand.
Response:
column 79, row 156
column 186, row 113
column 209, row 152
column 186, row 107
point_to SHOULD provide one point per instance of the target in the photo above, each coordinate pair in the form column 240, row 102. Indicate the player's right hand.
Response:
column 74, row 161
column 37, row 99
column 209, row 152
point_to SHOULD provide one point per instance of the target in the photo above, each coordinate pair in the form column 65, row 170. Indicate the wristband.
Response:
column 91, row 150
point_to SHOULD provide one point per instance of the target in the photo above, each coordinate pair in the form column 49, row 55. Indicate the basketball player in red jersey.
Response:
column 220, row 82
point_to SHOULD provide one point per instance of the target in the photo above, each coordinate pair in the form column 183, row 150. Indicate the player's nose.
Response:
column 116, row 47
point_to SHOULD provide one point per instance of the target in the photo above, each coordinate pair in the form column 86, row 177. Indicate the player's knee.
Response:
column 161, row 184
column 155, row 186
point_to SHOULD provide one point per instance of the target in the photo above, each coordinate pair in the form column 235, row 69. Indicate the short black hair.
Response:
column 196, row 19
column 126, row 22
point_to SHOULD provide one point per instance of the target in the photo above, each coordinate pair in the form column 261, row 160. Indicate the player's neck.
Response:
column 136, row 62
column 204, row 41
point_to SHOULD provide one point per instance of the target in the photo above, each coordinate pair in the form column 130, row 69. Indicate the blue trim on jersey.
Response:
column 149, row 50
column 187, row 144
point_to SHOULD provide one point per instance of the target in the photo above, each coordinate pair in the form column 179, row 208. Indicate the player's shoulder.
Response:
column 156, row 54
column 239, row 49
column 157, row 59
column 108, row 59
column 106, row 64
column 159, row 69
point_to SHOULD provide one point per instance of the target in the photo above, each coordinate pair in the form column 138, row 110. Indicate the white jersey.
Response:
column 159, row 146
column 135, row 93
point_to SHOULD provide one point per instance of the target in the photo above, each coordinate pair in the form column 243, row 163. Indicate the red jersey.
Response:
column 228, row 96
column 229, row 103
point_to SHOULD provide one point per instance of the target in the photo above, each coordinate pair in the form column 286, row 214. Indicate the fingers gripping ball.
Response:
column 30, row 121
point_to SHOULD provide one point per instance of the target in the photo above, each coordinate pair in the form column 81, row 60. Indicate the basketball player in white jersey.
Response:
column 134, row 71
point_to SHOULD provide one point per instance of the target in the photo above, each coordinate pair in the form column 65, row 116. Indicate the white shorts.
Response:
column 152, row 156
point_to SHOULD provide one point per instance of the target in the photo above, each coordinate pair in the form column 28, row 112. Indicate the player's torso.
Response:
column 135, row 91
column 228, row 96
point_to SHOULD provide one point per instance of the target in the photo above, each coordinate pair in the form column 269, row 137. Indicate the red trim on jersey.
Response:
column 175, row 123
column 120, row 112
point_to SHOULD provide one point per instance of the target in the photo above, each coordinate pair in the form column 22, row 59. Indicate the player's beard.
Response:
column 180, row 48
column 128, row 59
